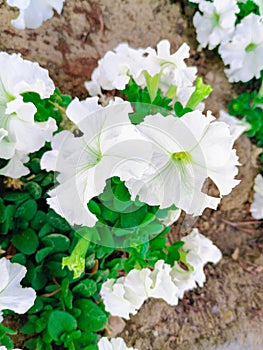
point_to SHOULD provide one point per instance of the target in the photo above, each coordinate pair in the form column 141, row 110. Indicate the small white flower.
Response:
column 113, row 344
column 173, row 69
column 184, row 158
column 115, row 69
column 217, row 23
column 162, row 286
column 199, row 250
column 236, row 126
column 33, row 13
column 257, row 205
column 127, row 294
column 110, row 146
column 115, row 300
column 4, row 348
column 19, row 133
column 244, row 52
column 12, row 295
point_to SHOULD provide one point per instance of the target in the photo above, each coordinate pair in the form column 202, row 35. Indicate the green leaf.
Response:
column 37, row 307
column 57, row 221
column 56, row 269
column 134, row 219
column 66, row 294
column 60, row 322
column 152, row 84
column 27, row 210
column 34, row 189
column 19, row 258
column 92, row 318
column 16, row 197
column 43, row 253
column 173, row 253
column 38, row 278
column 34, row 165
column 58, row 242
column 8, row 224
column 45, row 230
column 26, row 242
column 179, row 110
column 245, row 9
column 85, row 288
column 2, row 211
column 94, row 207
column 38, row 220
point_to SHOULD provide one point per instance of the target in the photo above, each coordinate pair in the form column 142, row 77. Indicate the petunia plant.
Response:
column 100, row 187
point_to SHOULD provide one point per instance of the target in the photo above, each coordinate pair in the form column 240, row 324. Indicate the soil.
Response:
column 228, row 312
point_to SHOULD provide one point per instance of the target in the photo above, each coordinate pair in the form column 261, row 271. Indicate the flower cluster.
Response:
column 163, row 161
column 113, row 344
column 17, row 123
column 240, row 45
column 257, row 205
column 126, row 295
column 34, row 13
column 147, row 67
column 12, row 295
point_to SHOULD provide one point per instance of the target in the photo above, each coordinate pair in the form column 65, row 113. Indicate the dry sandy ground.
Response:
column 230, row 307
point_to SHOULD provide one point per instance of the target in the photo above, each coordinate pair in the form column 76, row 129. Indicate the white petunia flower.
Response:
column 12, row 295
column 19, row 133
column 113, row 344
column 236, row 126
column 257, row 205
column 217, row 23
column 126, row 295
column 244, row 52
column 115, row 69
column 184, row 158
column 110, row 146
column 162, row 286
column 115, row 300
column 4, row 348
column 200, row 250
column 33, row 13
column 173, row 70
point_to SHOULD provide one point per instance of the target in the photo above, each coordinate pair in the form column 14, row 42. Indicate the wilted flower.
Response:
column 12, row 295
column 19, row 133
column 236, row 126
column 184, row 157
column 217, row 23
column 113, row 344
column 257, row 205
column 244, row 52
column 34, row 13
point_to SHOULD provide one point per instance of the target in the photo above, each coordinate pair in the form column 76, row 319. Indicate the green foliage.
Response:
column 142, row 103
column 245, row 9
column 247, row 106
column 49, row 107
column 129, row 234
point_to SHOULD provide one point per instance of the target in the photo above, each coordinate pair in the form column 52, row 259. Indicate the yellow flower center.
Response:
column 182, row 157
